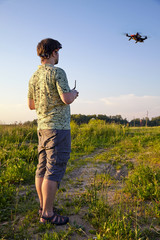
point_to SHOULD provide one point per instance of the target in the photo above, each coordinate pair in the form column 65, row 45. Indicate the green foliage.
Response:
column 144, row 183
column 88, row 137
column 7, row 197
column 18, row 152
column 138, row 149
column 54, row 236
column 18, row 159
column 16, row 171
column 111, row 223
column 81, row 119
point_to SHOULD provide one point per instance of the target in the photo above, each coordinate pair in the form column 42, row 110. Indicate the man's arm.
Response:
column 31, row 104
column 69, row 97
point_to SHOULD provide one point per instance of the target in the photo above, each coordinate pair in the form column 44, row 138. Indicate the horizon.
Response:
column 129, row 121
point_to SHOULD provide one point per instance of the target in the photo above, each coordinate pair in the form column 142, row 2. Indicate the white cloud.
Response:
column 132, row 105
column 107, row 101
column 11, row 113
column 86, row 101
column 128, row 106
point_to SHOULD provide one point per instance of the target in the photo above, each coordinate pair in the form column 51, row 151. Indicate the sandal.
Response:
column 56, row 219
column 57, row 210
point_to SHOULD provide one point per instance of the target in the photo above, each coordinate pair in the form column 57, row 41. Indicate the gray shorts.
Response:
column 54, row 152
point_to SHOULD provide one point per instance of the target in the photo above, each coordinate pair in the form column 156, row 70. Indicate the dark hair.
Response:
column 46, row 47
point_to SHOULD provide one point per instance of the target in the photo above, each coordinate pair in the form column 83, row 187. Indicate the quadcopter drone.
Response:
column 137, row 37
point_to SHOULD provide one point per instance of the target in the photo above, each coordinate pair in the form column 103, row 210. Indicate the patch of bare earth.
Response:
column 76, row 182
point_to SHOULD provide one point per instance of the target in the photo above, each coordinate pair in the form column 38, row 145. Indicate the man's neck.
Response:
column 48, row 61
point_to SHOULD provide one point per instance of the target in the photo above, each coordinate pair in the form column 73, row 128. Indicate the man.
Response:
column 49, row 94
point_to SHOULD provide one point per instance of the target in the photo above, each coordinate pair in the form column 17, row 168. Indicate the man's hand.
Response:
column 31, row 104
column 69, row 97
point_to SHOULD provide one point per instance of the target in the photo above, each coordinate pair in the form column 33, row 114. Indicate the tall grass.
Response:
column 87, row 137
column 18, row 154
column 144, row 183
column 136, row 148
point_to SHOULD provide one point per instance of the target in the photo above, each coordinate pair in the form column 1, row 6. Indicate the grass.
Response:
column 134, row 212
column 144, row 183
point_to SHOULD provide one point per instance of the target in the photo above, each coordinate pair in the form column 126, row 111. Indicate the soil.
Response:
column 75, row 184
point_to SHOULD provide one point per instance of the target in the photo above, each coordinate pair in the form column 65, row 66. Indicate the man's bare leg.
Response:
column 49, row 189
column 38, row 183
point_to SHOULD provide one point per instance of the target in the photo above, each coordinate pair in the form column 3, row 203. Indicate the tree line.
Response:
column 80, row 119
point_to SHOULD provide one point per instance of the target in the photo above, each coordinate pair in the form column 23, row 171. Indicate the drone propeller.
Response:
column 132, row 33
column 124, row 33
column 148, row 36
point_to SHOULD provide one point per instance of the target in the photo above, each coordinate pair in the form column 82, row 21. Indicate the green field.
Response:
column 111, row 189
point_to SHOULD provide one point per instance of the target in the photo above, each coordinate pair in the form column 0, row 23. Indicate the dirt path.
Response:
column 75, row 184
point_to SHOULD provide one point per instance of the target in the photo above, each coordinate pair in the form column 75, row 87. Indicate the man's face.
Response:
column 56, row 56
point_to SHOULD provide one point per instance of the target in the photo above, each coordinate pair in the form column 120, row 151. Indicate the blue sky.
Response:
column 114, row 75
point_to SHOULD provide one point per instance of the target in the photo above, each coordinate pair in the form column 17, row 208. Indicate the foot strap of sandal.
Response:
column 59, row 220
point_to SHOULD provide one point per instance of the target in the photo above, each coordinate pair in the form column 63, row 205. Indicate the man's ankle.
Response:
column 47, row 213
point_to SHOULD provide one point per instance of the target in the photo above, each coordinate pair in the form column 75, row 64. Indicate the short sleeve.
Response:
column 61, row 81
column 30, row 90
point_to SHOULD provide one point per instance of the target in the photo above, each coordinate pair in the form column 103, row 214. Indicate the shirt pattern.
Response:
column 45, row 88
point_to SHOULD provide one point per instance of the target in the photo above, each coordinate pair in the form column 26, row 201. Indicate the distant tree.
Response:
column 30, row 123
column 81, row 118
column 155, row 121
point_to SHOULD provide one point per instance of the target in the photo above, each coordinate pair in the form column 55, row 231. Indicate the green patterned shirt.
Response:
column 45, row 88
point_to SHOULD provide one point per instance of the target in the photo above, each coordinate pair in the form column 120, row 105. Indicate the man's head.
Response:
column 48, row 48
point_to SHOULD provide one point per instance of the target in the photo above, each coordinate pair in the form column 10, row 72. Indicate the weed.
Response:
column 144, row 183
column 133, row 215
